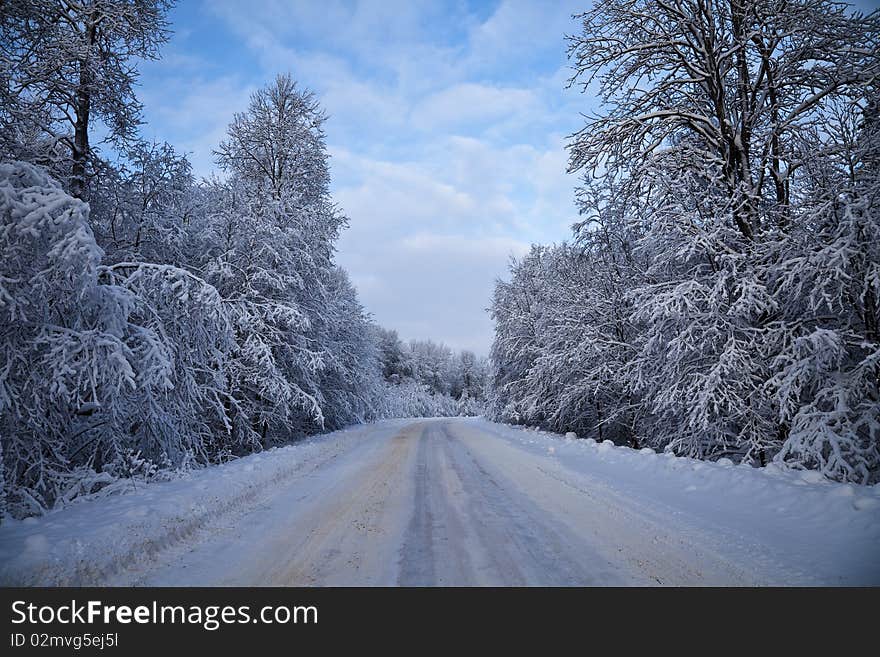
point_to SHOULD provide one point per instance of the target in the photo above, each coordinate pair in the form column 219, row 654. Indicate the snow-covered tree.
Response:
column 393, row 354
column 734, row 85
column 426, row 379
column 572, row 371
column 93, row 363
column 432, row 365
column 142, row 211
column 272, row 228
column 720, row 298
column 469, row 376
column 350, row 383
column 826, row 371
column 179, row 329
column 713, row 153
column 63, row 65
column 516, row 309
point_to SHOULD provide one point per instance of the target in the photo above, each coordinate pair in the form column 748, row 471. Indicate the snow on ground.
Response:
column 810, row 530
column 93, row 541
column 459, row 501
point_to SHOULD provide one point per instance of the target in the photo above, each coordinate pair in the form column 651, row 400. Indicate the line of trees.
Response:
column 720, row 296
column 431, row 380
column 151, row 320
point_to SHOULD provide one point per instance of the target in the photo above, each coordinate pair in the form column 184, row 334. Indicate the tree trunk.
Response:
column 81, row 148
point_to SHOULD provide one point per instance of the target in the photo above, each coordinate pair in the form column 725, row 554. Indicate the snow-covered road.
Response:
column 463, row 502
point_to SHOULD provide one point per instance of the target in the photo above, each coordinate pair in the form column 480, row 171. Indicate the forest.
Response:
column 718, row 298
column 153, row 322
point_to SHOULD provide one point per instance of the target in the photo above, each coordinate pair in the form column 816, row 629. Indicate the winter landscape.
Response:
column 502, row 293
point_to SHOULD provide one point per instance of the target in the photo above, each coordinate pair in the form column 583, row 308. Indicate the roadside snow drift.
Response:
column 91, row 541
column 810, row 530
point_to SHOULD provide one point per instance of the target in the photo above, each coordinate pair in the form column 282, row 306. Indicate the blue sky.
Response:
column 447, row 123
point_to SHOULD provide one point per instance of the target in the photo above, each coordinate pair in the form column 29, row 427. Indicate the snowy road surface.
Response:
column 468, row 502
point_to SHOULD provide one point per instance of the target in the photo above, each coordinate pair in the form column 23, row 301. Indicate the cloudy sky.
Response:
column 447, row 124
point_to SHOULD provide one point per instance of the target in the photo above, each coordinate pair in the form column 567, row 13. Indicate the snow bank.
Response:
column 89, row 542
column 818, row 531
column 790, row 527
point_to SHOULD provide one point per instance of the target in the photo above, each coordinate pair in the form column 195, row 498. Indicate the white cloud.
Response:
column 520, row 30
column 428, row 238
column 394, row 196
column 194, row 114
column 446, row 130
column 432, row 285
column 457, row 246
column 469, row 103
